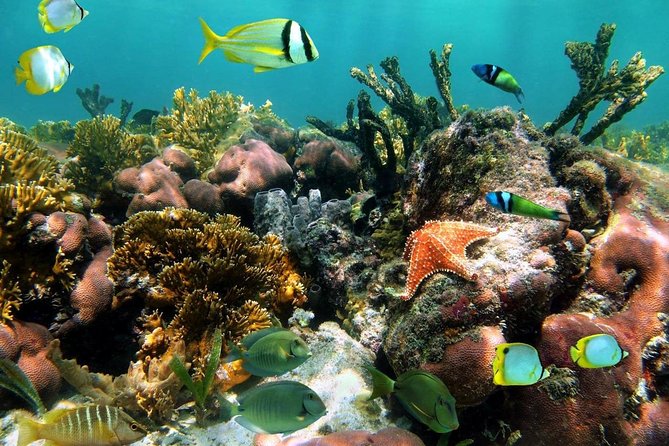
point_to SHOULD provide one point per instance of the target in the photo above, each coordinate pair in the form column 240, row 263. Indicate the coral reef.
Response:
column 200, row 274
column 650, row 144
column 624, row 89
column 101, row 148
column 60, row 131
column 199, row 124
column 26, row 345
column 94, row 103
column 390, row 436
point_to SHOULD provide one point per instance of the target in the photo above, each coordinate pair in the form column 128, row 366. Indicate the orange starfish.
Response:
column 440, row 246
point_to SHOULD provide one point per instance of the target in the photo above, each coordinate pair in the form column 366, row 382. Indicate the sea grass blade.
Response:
column 14, row 380
column 212, row 363
column 179, row 369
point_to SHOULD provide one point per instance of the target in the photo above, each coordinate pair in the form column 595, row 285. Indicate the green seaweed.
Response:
column 13, row 379
column 200, row 389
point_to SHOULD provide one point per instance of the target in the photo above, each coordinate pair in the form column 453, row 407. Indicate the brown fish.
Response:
column 87, row 425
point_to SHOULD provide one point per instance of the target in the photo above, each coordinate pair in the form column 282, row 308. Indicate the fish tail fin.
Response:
column 562, row 216
column 573, row 352
column 211, row 40
column 235, row 353
column 20, row 75
column 520, row 96
column 382, row 385
column 227, row 409
column 29, row 428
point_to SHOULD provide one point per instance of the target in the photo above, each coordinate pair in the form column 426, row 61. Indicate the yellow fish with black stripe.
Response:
column 43, row 69
column 59, row 15
column 94, row 425
column 268, row 44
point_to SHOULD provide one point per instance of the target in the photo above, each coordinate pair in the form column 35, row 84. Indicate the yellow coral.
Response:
column 10, row 294
column 199, row 124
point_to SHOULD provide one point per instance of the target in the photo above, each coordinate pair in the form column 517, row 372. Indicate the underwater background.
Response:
column 142, row 51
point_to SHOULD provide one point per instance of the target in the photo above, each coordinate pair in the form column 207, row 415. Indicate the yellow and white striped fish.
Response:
column 58, row 15
column 268, row 44
column 87, row 425
column 44, row 69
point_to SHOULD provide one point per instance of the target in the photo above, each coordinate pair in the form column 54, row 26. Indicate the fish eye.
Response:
column 506, row 350
column 134, row 426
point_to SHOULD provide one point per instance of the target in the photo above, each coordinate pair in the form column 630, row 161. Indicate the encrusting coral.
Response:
column 199, row 124
column 201, row 273
column 624, row 89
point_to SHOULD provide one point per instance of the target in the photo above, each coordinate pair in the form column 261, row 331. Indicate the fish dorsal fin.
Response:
column 262, row 69
column 241, row 28
column 254, row 337
column 55, row 414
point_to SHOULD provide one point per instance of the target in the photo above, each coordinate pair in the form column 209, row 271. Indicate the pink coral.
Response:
column 390, row 436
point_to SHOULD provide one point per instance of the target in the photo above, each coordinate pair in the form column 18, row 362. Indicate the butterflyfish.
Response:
column 271, row 351
column 421, row 394
column 268, row 44
column 59, row 15
column 514, row 204
column 598, row 350
column 517, row 364
column 93, row 425
column 279, row 407
column 43, row 69
column 500, row 78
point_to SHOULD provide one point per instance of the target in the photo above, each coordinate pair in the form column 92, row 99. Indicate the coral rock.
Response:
column 390, row 436
column 329, row 167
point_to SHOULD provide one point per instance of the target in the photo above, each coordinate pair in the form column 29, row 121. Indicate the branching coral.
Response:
column 101, row 148
column 651, row 144
column 94, row 103
column 624, row 89
column 202, row 274
column 199, row 124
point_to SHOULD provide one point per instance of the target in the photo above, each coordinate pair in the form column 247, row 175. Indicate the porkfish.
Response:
column 267, row 45
column 94, row 425
column 60, row 15
column 43, row 69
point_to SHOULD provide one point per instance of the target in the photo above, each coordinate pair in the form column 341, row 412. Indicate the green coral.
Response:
column 57, row 131
column 101, row 147
column 199, row 124
column 650, row 145
column 624, row 89
column 202, row 274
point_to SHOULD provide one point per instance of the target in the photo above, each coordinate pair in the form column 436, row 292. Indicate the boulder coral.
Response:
column 328, row 166
column 26, row 343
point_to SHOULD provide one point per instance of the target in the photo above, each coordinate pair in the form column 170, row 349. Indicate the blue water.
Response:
column 141, row 50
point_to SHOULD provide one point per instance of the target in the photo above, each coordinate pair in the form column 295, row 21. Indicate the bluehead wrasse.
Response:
column 268, row 44
column 596, row 351
column 500, row 78
column 515, row 204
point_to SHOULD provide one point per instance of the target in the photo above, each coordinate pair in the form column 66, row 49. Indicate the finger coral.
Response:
column 202, row 273
column 198, row 124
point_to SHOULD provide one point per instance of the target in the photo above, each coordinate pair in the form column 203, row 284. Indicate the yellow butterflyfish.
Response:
column 598, row 350
column 517, row 364
column 59, row 15
column 43, row 69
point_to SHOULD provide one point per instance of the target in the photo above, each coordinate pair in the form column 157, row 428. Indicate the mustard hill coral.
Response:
column 199, row 124
column 624, row 89
column 202, row 274
column 101, row 148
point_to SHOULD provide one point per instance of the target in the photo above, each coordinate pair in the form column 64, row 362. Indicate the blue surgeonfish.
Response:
column 271, row 351
column 421, row 394
column 500, row 78
column 279, row 407
column 59, row 15
column 517, row 364
column 43, row 69
column 517, row 205
column 595, row 351
column 268, row 44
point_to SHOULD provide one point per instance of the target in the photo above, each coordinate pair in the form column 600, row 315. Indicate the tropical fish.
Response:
column 500, row 78
column 43, row 69
column 269, row 352
column 145, row 116
column 268, row 44
column 517, row 364
column 422, row 394
column 515, row 204
column 598, row 350
column 58, row 15
column 279, row 407
column 90, row 425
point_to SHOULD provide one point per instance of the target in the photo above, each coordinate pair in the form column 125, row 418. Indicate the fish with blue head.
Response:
column 421, row 394
column 510, row 203
column 500, row 78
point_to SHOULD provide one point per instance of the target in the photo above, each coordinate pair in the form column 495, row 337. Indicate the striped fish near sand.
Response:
column 87, row 425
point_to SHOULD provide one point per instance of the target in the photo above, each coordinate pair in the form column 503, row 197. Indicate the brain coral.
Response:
column 200, row 273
